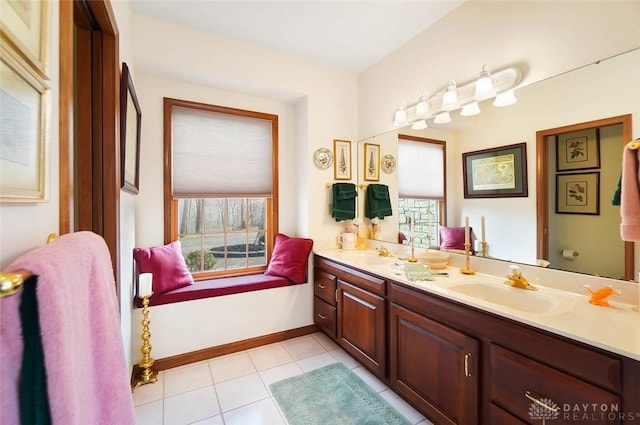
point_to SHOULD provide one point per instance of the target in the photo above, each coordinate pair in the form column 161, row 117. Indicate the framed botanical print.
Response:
column 342, row 159
column 578, row 193
column 578, row 150
column 371, row 162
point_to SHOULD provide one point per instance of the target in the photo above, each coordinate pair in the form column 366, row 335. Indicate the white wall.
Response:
column 544, row 38
column 322, row 104
column 315, row 105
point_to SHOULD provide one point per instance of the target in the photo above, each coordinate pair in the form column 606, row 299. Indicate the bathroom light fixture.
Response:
column 484, row 85
column 450, row 97
column 505, row 98
column 400, row 118
column 470, row 109
column 419, row 125
column 442, row 118
column 467, row 96
column 422, row 108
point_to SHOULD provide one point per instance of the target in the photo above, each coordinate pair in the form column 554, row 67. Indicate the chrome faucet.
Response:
column 516, row 279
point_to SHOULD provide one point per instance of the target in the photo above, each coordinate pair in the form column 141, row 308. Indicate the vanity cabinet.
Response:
column 458, row 364
column 433, row 366
column 358, row 309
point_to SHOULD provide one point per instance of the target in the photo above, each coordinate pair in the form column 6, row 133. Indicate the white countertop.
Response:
column 615, row 328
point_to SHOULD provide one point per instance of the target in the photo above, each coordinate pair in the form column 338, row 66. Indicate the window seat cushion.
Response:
column 218, row 287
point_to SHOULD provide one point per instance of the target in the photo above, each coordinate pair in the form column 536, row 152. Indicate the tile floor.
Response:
column 234, row 389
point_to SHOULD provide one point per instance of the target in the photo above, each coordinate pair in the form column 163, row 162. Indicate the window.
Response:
column 220, row 186
column 421, row 188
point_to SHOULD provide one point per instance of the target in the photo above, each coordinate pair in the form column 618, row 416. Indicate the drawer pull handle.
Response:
column 467, row 373
column 540, row 403
column 321, row 286
column 322, row 316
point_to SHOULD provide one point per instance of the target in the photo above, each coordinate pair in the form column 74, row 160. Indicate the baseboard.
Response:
column 221, row 350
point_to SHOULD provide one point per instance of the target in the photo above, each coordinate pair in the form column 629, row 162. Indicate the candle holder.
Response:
column 467, row 269
column 412, row 259
column 147, row 376
column 483, row 249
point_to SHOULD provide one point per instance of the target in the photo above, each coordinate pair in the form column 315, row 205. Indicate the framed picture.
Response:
column 24, row 25
column 371, row 162
column 578, row 193
column 496, row 172
column 342, row 159
column 578, row 150
column 130, row 125
column 24, row 131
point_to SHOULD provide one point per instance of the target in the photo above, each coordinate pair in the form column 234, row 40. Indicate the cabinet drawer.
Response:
column 324, row 286
column 502, row 417
column 324, row 315
column 516, row 380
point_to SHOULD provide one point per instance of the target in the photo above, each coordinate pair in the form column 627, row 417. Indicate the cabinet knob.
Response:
column 554, row 409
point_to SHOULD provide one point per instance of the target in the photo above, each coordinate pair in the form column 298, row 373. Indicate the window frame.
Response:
column 170, row 203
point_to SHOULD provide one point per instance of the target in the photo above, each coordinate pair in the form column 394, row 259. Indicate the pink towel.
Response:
column 87, row 379
column 630, row 195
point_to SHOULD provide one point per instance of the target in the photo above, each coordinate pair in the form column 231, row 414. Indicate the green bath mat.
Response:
column 333, row 395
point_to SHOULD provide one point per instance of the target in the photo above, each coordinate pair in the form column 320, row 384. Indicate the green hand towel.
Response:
column 344, row 201
column 34, row 399
column 378, row 203
column 416, row 271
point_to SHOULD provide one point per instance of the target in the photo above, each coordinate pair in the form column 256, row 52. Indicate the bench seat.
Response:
column 218, row 287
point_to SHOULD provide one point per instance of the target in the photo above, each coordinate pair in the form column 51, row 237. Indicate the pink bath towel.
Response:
column 630, row 195
column 87, row 379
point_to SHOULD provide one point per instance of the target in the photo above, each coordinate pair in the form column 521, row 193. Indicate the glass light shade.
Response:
column 419, row 125
column 400, row 118
column 505, row 98
column 442, row 118
column 145, row 285
column 422, row 108
column 450, row 97
column 484, row 85
column 470, row 109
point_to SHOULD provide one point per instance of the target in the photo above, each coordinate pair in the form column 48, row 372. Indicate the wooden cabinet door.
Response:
column 434, row 367
column 361, row 326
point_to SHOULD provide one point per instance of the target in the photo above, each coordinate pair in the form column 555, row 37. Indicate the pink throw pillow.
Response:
column 453, row 237
column 167, row 265
column 290, row 257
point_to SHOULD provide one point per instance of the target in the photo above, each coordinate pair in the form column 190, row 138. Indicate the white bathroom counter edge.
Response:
column 615, row 328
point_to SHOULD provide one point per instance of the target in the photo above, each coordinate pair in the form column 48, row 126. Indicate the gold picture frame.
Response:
column 341, row 159
column 24, row 131
column 24, row 25
column 371, row 162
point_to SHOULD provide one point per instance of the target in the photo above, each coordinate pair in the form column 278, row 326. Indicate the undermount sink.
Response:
column 365, row 257
column 514, row 298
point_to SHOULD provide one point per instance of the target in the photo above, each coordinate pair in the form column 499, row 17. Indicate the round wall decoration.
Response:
column 323, row 158
column 388, row 164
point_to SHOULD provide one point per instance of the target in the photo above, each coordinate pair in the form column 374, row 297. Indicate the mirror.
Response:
column 586, row 94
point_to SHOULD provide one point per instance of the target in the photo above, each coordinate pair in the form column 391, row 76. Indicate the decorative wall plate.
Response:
column 323, row 158
column 388, row 164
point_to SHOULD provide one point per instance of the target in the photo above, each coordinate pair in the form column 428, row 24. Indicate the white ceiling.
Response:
column 349, row 35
